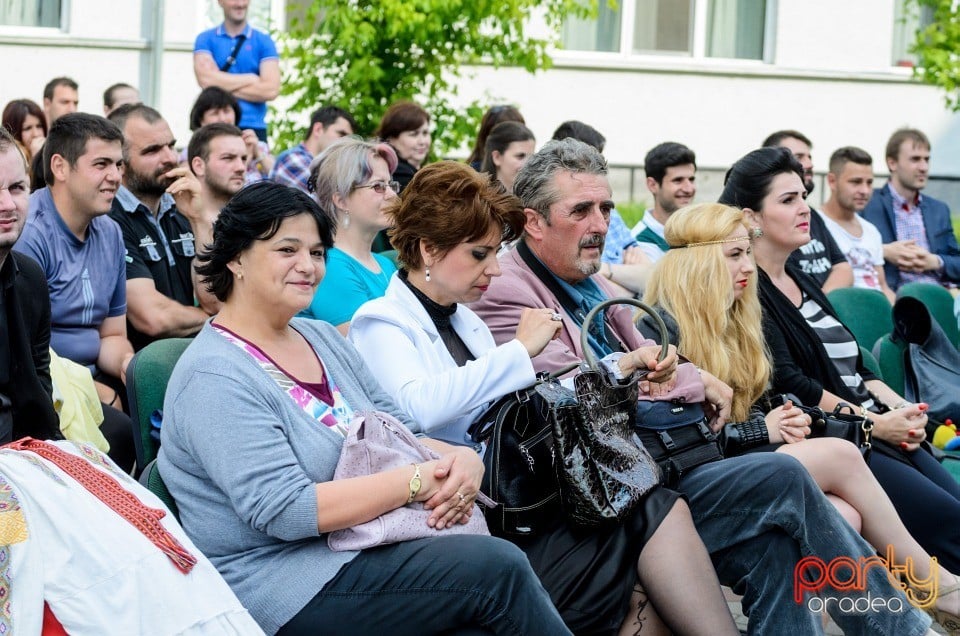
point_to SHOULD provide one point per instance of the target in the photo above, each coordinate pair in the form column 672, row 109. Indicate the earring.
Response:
column 345, row 222
column 756, row 233
column 428, row 274
column 239, row 275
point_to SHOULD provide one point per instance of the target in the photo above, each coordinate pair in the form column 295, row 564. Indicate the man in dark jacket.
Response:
column 26, row 402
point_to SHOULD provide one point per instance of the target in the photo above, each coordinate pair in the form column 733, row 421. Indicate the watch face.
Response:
column 415, row 484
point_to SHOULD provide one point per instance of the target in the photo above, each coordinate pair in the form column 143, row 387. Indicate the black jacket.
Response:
column 800, row 363
column 27, row 313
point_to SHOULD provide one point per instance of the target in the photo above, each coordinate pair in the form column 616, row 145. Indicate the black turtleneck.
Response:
column 440, row 315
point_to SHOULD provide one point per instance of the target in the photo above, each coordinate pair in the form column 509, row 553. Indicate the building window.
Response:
column 31, row 13
column 694, row 28
column 906, row 23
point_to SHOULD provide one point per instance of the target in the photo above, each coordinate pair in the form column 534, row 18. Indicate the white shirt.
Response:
column 865, row 252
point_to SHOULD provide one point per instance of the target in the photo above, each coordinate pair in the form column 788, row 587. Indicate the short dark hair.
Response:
column 328, row 115
column 254, row 214
column 212, row 98
column 15, row 114
column 121, row 115
column 500, row 138
column 581, row 132
column 849, row 154
column 401, row 117
column 69, row 136
column 58, row 81
column 667, row 155
column 108, row 98
column 199, row 145
column 494, row 115
column 446, row 204
column 905, row 134
column 747, row 182
column 775, row 139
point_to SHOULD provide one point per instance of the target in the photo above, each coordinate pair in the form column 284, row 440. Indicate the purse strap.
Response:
column 661, row 327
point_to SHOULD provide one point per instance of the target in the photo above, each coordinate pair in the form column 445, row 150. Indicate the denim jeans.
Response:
column 462, row 584
column 758, row 515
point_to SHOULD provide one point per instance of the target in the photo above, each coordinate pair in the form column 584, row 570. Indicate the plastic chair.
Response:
column 147, row 377
column 871, row 363
column 151, row 480
column 940, row 304
column 865, row 312
column 889, row 355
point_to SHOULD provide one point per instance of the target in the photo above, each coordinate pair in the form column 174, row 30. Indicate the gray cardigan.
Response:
column 241, row 458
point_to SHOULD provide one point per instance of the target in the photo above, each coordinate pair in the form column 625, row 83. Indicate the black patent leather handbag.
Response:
column 560, row 453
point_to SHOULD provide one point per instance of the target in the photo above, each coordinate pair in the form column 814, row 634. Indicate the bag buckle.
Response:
column 666, row 440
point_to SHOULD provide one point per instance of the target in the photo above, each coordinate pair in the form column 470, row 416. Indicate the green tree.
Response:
column 937, row 46
column 365, row 54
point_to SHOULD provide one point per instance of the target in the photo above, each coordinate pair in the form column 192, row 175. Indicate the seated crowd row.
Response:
column 133, row 247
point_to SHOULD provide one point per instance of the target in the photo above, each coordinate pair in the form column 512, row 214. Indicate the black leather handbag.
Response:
column 931, row 362
column 844, row 422
column 554, row 451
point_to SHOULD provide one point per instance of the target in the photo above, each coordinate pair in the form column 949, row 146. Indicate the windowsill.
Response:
column 590, row 60
column 34, row 36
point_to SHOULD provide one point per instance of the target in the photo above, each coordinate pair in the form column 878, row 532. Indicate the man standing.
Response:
column 26, row 402
column 327, row 124
column 821, row 257
column 158, row 238
column 757, row 514
column 851, row 183
column 919, row 243
column 241, row 60
column 671, row 170
column 60, row 97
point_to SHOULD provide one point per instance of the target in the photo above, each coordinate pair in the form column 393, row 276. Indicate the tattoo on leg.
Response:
column 642, row 602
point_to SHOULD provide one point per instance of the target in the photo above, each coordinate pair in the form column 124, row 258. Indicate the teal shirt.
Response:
column 347, row 285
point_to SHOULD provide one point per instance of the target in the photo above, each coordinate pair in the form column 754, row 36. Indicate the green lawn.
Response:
column 631, row 212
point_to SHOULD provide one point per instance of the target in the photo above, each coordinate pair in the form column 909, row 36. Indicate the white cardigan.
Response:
column 401, row 346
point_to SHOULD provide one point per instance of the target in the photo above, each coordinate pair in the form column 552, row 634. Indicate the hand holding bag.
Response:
column 376, row 442
column 844, row 422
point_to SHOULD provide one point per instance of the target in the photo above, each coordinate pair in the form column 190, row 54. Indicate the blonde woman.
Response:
column 705, row 288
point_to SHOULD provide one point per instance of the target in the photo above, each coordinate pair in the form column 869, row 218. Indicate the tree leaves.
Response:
column 364, row 55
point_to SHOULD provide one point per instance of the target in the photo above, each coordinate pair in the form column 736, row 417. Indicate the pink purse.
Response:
column 375, row 442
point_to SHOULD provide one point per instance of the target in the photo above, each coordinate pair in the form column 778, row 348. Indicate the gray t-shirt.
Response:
column 87, row 278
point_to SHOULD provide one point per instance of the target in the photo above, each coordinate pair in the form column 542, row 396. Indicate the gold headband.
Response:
column 726, row 240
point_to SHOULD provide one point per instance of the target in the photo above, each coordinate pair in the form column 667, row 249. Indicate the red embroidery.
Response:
column 121, row 501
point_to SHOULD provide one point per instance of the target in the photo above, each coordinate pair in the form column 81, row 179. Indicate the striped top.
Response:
column 840, row 346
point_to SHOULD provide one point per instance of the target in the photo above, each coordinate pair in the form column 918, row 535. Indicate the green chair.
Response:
column 865, row 312
column 147, row 377
column 889, row 355
column 151, row 480
column 871, row 363
column 940, row 304
column 392, row 255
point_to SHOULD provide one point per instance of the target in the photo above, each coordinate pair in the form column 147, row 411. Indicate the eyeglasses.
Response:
column 380, row 187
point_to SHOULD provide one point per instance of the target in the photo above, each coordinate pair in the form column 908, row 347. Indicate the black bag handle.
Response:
column 233, row 54
column 588, row 353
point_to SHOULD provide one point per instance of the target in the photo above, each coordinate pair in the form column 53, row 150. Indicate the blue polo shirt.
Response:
column 258, row 47
column 87, row 278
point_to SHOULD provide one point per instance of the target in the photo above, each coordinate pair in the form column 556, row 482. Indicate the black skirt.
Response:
column 590, row 573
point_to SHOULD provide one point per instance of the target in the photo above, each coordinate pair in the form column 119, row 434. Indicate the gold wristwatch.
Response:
column 414, row 484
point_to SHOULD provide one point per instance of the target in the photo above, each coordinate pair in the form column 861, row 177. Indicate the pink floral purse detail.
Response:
column 376, row 442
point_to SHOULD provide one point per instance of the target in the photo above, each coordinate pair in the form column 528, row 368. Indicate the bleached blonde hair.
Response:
column 717, row 333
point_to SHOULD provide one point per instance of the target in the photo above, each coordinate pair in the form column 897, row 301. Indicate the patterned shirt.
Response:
column 618, row 239
column 292, row 167
column 909, row 226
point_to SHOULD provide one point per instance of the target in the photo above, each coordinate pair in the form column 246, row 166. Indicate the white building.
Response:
column 717, row 75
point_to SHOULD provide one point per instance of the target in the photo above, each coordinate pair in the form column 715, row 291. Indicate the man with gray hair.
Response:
column 758, row 514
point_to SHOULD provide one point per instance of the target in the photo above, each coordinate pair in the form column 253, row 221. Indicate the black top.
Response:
column 159, row 249
column 440, row 315
column 800, row 363
column 25, row 348
column 818, row 257
column 404, row 172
